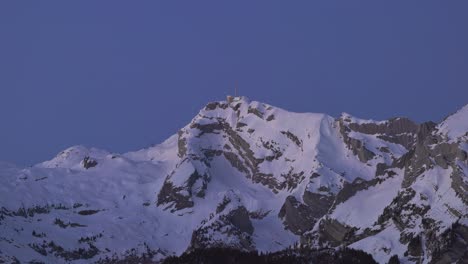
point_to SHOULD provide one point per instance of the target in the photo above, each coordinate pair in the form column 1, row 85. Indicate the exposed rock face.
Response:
column 415, row 248
column 297, row 217
column 241, row 220
column 182, row 145
column 293, row 137
column 236, row 149
column 396, row 130
column 393, row 126
column 427, row 154
column 355, row 145
column 460, row 183
column 215, row 105
column 393, row 211
column 249, row 176
column 191, row 183
column 333, row 233
column 319, row 204
column 350, row 189
column 451, row 246
column 421, row 150
column 171, row 194
column 231, row 221
column 205, row 237
column 89, row 162
column 256, row 112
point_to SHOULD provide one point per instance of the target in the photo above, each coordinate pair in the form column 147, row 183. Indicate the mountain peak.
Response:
column 247, row 175
column 455, row 126
column 73, row 157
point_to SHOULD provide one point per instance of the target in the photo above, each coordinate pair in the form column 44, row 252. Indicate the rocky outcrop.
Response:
column 241, row 220
column 350, row 189
column 399, row 130
column 392, row 126
column 231, row 221
column 333, row 233
column 451, row 246
column 242, row 173
column 357, row 146
column 256, row 112
column 399, row 203
column 179, row 197
column 181, row 144
column 301, row 217
column 319, row 204
column 460, row 183
column 310, row 217
column 415, row 250
column 214, row 105
column 89, row 163
column 240, row 155
column 296, row 216
column 173, row 196
column 427, row 153
column 293, row 138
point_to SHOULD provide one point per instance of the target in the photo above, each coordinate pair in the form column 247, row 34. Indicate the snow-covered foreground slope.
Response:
column 251, row 176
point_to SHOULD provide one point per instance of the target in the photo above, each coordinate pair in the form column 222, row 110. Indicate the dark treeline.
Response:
column 301, row 255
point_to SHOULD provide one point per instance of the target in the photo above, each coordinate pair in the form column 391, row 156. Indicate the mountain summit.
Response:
column 250, row 176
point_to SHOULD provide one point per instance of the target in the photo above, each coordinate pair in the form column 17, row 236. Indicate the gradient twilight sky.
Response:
column 122, row 75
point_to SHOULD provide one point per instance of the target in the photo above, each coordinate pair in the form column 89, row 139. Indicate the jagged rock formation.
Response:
column 249, row 176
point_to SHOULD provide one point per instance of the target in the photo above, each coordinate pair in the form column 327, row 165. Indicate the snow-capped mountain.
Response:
column 247, row 175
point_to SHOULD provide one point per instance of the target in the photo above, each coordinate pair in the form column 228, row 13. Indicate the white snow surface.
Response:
column 363, row 209
column 456, row 125
column 122, row 189
column 383, row 245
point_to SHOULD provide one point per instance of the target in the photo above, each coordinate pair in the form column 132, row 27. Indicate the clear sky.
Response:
column 122, row 75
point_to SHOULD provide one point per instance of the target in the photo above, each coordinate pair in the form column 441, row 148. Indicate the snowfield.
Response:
column 248, row 175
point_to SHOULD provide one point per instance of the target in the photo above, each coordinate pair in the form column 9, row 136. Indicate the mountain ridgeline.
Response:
column 245, row 177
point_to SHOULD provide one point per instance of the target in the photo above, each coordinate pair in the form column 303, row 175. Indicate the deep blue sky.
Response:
column 123, row 75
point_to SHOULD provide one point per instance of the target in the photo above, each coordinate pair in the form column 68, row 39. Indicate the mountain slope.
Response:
column 247, row 175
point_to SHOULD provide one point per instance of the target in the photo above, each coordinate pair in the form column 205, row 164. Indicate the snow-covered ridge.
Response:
column 248, row 175
column 73, row 157
column 456, row 126
column 352, row 119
